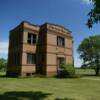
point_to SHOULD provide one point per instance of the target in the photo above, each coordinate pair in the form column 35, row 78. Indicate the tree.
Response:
column 3, row 63
column 94, row 14
column 89, row 51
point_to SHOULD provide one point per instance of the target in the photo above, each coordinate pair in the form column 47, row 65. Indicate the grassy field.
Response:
column 85, row 72
column 49, row 89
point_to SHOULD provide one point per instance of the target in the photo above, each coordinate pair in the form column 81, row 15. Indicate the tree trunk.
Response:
column 97, row 71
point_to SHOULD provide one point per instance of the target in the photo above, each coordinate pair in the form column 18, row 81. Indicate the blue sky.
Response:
column 70, row 13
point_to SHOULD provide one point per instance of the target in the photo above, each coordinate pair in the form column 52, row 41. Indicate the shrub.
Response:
column 67, row 70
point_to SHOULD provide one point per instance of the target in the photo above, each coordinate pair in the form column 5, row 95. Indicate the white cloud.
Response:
column 3, row 47
column 88, row 2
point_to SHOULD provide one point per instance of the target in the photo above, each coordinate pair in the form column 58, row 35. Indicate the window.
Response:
column 60, row 61
column 31, row 38
column 60, row 41
column 31, row 58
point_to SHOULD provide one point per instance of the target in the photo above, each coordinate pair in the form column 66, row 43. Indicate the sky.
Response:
column 72, row 14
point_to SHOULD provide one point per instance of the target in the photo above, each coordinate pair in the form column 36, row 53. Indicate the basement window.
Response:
column 31, row 38
column 28, row 74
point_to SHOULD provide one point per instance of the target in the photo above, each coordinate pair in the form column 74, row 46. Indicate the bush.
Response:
column 66, row 70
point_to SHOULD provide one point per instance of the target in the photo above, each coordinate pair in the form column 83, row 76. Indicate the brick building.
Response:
column 38, row 49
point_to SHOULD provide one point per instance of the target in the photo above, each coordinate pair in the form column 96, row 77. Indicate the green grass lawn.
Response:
column 49, row 89
column 86, row 72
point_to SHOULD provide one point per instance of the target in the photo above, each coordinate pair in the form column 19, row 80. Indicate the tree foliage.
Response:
column 89, row 51
column 94, row 14
column 3, row 63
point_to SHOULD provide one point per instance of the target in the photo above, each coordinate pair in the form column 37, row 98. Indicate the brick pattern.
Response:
column 46, row 49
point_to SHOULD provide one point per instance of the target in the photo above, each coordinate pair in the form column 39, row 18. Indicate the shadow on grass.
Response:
column 2, row 76
column 87, row 75
column 24, row 95
column 20, row 95
column 91, row 75
column 64, row 99
column 5, row 76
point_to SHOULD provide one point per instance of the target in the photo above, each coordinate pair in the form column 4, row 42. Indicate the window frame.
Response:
column 60, row 41
column 32, row 38
column 31, row 58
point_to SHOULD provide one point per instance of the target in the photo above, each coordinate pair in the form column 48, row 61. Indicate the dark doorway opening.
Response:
column 60, row 61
